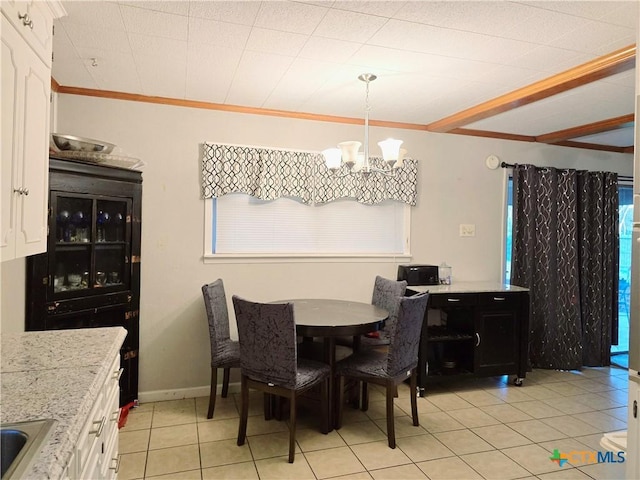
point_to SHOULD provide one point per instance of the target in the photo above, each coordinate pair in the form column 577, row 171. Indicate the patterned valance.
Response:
column 269, row 174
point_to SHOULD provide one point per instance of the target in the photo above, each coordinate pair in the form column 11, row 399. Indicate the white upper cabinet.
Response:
column 26, row 89
column 34, row 20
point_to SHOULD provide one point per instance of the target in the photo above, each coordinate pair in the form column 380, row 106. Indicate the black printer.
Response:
column 419, row 274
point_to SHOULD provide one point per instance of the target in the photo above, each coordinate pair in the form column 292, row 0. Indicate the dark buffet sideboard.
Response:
column 90, row 274
column 474, row 329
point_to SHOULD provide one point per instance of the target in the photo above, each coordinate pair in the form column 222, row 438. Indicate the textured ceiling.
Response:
column 432, row 59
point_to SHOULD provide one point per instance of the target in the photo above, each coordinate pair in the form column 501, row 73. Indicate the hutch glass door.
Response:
column 91, row 249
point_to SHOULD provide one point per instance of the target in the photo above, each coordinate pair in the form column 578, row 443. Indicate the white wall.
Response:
column 12, row 300
column 454, row 187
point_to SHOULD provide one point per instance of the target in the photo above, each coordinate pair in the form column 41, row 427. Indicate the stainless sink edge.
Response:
column 38, row 432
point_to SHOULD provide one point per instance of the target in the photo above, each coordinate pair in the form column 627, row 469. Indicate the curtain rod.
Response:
column 620, row 177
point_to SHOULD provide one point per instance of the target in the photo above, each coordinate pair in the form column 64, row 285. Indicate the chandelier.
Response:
column 348, row 153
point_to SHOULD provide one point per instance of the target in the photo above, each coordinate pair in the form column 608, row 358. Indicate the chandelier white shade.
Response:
column 348, row 153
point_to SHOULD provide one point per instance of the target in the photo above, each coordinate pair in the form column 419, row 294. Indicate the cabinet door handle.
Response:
column 499, row 299
column 21, row 191
column 453, row 299
column 477, row 339
column 115, row 416
column 26, row 20
column 115, row 466
column 117, row 375
column 98, row 432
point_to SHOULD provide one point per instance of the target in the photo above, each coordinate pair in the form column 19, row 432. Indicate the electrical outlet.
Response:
column 467, row 230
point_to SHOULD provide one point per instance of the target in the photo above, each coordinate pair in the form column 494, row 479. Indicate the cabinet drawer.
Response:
column 498, row 300
column 113, row 415
column 88, row 439
column 450, row 300
column 34, row 22
column 110, row 462
column 110, row 456
column 112, row 385
column 92, row 467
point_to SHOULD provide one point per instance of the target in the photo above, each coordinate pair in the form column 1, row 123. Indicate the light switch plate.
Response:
column 467, row 230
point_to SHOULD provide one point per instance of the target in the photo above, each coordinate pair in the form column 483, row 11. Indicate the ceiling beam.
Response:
column 611, row 64
column 593, row 146
column 607, row 125
column 134, row 97
column 528, row 138
column 490, row 134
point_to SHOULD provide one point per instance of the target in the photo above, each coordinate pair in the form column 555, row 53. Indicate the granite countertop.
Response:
column 55, row 374
column 468, row 287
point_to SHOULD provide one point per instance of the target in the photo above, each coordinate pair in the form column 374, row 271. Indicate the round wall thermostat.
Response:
column 492, row 162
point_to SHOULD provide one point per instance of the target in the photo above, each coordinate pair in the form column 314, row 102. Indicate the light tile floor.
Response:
column 476, row 428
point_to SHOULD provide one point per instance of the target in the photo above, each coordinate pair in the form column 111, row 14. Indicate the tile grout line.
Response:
column 605, row 411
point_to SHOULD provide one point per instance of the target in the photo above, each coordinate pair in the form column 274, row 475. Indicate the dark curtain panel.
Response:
column 599, row 245
column 565, row 250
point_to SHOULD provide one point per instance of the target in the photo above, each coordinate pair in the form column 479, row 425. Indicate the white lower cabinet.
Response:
column 109, row 464
column 96, row 452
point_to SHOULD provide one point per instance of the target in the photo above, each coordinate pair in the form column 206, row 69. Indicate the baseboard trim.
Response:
column 181, row 393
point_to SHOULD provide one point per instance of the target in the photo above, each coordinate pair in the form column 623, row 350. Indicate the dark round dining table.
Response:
column 328, row 319
column 321, row 317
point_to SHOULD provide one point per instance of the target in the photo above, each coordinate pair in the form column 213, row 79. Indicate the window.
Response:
column 240, row 225
column 270, row 203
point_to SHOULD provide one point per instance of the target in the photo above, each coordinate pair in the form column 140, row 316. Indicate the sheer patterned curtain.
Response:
column 269, row 174
column 565, row 250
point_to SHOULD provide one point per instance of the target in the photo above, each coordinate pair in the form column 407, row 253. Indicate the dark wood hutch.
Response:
column 90, row 274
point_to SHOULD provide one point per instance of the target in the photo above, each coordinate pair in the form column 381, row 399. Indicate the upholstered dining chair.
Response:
column 225, row 353
column 392, row 367
column 269, row 361
column 386, row 294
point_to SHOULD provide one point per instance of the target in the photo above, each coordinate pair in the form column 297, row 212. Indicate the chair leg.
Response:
column 340, row 403
column 244, row 410
column 279, row 407
column 365, row 397
column 268, row 406
column 225, row 382
column 414, row 394
column 212, row 394
column 292, row 427
column 354, row 393
column 324, row 405
column 391, row 430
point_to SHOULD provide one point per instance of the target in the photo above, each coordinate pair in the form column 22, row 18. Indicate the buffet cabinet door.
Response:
column 496, row 334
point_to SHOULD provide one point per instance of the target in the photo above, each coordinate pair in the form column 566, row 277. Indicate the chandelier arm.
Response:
column 350, row 172
column 386, row 173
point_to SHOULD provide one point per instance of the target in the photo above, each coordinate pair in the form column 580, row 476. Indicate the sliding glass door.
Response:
column 625, row 213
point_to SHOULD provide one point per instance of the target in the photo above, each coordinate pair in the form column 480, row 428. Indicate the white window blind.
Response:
column 242, row 224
